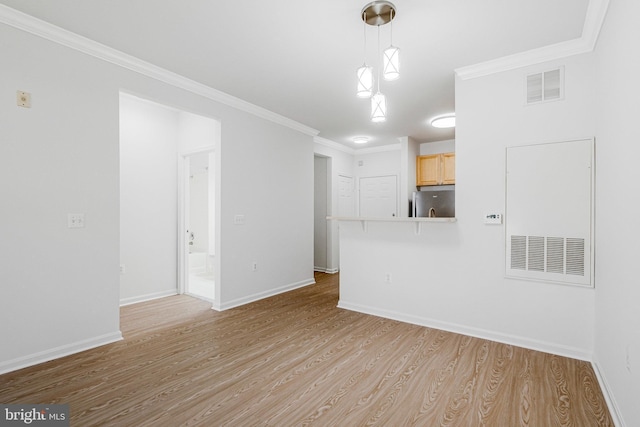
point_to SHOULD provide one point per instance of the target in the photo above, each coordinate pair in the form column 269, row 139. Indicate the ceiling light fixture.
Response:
column 446, row 121
column 378, row 13
column 360, row 140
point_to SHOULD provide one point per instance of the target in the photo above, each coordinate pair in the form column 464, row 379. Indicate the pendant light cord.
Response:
column 392, row 15
column 364, row 37
column 379, row 59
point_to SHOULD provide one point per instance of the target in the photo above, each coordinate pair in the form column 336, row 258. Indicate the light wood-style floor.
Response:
column 296, row 359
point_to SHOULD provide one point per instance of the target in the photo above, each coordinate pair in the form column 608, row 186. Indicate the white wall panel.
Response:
column 549, row 212
column 148, row 199
column 617, row 331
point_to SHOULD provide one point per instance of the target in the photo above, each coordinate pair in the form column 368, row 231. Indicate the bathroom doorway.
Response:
column 157, row 143
column 199, row 225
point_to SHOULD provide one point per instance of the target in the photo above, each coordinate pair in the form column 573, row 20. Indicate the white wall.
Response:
column 617, row 332
column 491, row 116
column 451, row 276
column 377, row 161
column 196, row 132
column 267, row 176
column 61, row 286
column 437, row 147
column 148, row 199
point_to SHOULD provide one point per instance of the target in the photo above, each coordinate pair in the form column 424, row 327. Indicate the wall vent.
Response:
column 549, row 212
column 556, row 255
column 545, row 86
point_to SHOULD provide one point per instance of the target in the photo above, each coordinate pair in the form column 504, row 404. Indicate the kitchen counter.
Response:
column 417, row 221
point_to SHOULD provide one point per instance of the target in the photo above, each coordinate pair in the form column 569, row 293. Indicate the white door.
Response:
column 379, row 196
column 346, row 204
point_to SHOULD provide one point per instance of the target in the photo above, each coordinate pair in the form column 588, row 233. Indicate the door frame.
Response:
column 183, row 216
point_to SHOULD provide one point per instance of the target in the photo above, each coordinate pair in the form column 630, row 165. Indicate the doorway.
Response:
column 156, row 144
column 321, row 202
column 199, row 225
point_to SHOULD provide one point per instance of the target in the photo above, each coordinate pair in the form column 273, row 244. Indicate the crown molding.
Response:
column 40, row 28
column 353, row 151
column 596, row 12
column 379, row 149
column 334, row 145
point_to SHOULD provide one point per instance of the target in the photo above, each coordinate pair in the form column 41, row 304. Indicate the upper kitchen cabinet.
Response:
column 428, row 169
column 436, row 169
column 448, row 168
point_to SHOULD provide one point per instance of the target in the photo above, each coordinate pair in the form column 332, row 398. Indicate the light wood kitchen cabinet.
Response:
column 428, row 169
column 449, row 168
column 436, row 169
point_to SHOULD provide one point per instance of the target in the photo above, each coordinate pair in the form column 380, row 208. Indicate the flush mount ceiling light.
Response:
column 360, row 139
column 447, row 121
column 378, row 13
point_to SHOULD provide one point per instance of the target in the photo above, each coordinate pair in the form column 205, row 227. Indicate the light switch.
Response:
column 75, row 220
column 238, row 220
column 23, row 99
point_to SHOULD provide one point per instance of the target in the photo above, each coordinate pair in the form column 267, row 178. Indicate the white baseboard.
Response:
column 608, row 397
column 547, row 347
column 261, row 295
column 326, row 270
column 147, row 297
column 55, row 353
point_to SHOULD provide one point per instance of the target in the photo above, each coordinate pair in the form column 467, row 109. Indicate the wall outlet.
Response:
column 387, row 278
column 254, row 266
column 23, row 99
column 238, row 219
column 75, row 220
column 122, row 269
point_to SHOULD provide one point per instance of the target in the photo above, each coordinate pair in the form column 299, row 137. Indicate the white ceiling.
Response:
column 298, row 58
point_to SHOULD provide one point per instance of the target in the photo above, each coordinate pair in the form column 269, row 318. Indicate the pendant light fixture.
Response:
column 365, row 73
column 365, row 81
column 391, row 58
column 378, row 108
column 378, row 101
column 378, row 13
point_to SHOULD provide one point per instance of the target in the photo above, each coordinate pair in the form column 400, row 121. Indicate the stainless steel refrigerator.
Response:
column 434, row 203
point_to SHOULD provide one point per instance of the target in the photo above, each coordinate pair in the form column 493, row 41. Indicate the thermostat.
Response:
column 493, row 218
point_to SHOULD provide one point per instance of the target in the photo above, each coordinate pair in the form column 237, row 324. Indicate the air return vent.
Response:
column 545, row 86
column 549, row 212
column 555, row 255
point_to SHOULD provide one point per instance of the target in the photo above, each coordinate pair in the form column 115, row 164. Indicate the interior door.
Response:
column 346, row 203
column 379, row 196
